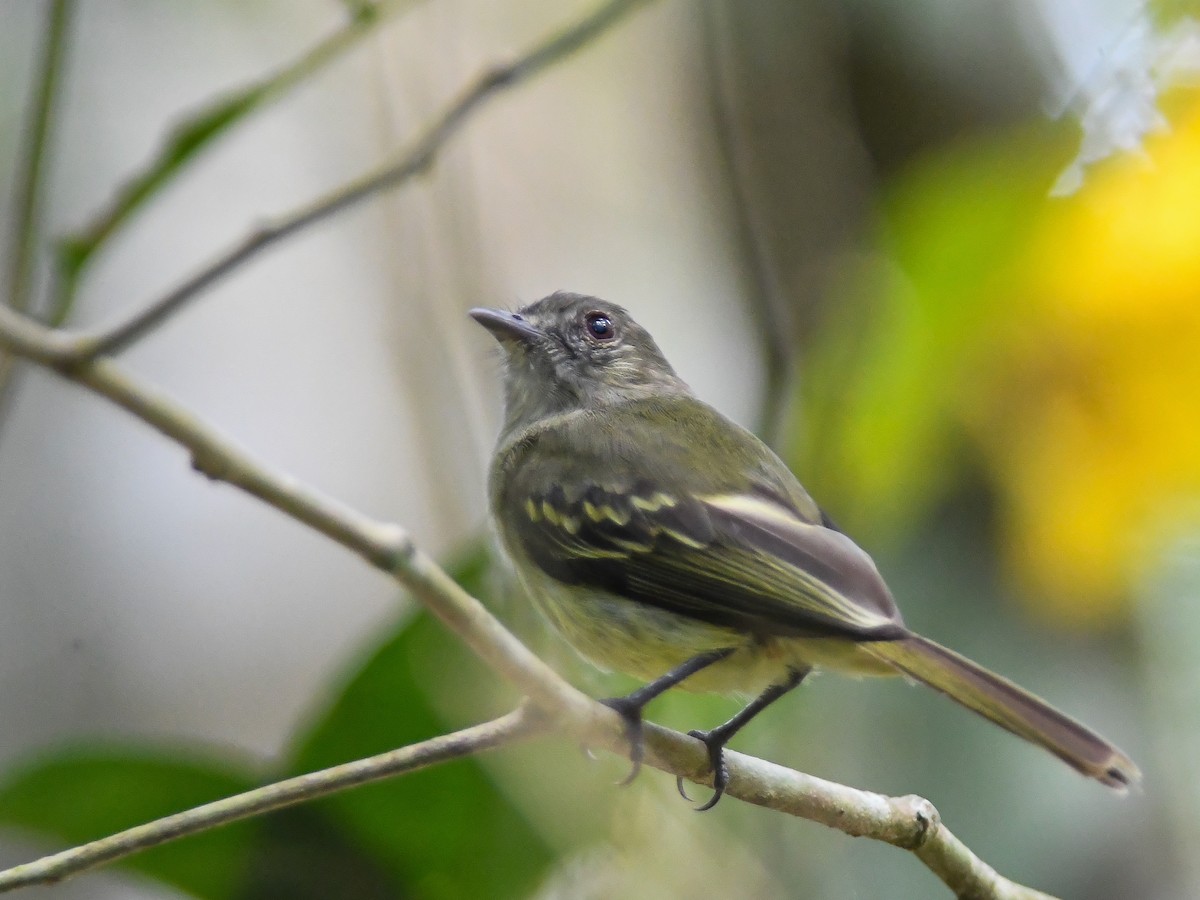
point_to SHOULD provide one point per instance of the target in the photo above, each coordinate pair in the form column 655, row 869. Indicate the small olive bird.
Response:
column 668, row 543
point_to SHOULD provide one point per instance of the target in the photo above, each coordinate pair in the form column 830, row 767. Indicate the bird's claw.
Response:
column 632, row 714
column 714, row 742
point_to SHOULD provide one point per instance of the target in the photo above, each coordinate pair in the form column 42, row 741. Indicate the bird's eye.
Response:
column 600, row 326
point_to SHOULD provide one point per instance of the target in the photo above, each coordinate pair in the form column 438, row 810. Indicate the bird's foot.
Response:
column 714, row 741
column 631, row 711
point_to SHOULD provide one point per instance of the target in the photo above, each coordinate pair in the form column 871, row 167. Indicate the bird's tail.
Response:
column 1009, row 706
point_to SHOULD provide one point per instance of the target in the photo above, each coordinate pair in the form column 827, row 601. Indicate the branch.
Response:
column 28, row 179
column 27, row 190
column 907, row 822
column 187, row 140
column 910, row 823
column 401, row 166
column 185, row 143
column 515, row 726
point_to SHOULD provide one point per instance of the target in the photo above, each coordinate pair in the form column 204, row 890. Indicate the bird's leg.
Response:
column 716, row 739
column 631, row 705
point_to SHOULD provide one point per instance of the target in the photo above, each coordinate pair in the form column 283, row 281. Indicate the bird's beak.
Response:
column 505, row 326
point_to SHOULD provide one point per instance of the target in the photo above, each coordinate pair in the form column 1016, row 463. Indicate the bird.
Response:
column 664, row 541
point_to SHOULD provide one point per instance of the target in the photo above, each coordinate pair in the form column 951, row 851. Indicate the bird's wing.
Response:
column 737, row 560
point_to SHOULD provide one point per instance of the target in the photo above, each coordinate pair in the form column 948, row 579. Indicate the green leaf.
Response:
column 299, row 854
column 77, row 796
column 445, row 832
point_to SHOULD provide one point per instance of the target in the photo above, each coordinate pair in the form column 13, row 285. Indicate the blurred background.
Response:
column 942, row 256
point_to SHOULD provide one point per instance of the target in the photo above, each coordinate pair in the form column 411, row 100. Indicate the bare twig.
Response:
column 517, row 725
column 27, row 186
column 190, row 137
column 404, row 164
column 909, row 822
column 184, row 144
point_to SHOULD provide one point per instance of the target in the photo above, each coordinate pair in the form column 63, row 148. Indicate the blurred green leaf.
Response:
column 882, row 377
column 299, row 854
column 78, row 796
column 424, row 826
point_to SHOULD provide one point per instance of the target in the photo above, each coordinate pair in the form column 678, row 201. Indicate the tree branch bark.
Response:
column 27, row 184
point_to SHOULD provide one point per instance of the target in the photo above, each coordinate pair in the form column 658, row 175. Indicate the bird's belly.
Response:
column 621, row 635
column 639, row 640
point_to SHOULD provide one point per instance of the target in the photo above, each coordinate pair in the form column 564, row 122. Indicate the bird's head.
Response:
column 571, row 351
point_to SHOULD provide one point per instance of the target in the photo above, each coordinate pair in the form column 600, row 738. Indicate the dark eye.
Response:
column 600, row 326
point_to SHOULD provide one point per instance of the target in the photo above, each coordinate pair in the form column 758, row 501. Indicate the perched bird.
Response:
column 666, row 542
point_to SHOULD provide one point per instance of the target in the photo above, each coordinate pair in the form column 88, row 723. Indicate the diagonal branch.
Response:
column 406, row 163
column 184, row 144
column 907, row 822
column 27, row 184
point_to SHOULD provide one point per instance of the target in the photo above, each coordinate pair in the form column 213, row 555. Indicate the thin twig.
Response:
column 189, row 137
column 517, row 725
column 910, row 823
column 907, row 822
column 27, row 187
column 79, row 346
column 406, row 163
column 183, row 145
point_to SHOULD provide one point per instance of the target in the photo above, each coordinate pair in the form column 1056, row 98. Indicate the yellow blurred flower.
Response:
column 1091, row 416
